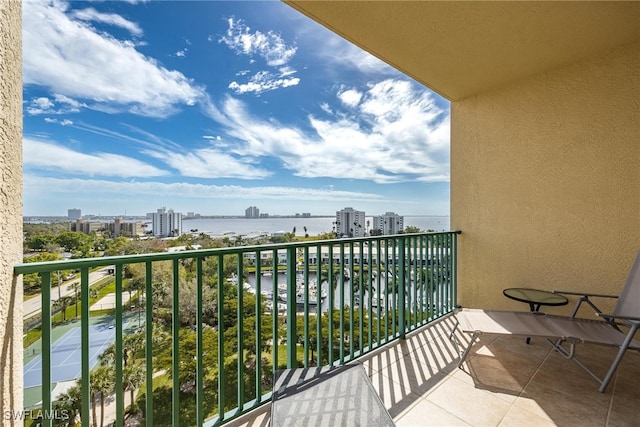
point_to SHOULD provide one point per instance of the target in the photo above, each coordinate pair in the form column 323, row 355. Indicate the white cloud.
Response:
column 52, row 157
column 90, row 14
column 36, row 185
column 326, row 108
column 396, row 133
column 65, row 122
column 44, row 105
column 335, row 54
column 286, row 71
column 41, row 105
column 210, row 163
column 350, row 98
column 270, row 46
column 212, row 138
column 71, row 104
column 263, row 81
column 72, row 59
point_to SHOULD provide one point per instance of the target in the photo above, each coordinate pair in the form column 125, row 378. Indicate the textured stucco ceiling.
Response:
column 463, row 48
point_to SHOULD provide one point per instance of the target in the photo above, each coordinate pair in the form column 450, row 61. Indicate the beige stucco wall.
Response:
column 10, row 208
column 545, row 181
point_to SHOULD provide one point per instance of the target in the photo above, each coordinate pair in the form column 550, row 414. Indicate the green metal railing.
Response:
column 218, row 322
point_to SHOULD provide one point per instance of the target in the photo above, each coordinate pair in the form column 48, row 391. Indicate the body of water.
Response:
column 314, row 225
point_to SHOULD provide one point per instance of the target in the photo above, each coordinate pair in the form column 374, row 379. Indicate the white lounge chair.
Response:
column 616, row 329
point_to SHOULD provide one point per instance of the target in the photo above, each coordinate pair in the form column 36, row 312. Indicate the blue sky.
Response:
column 214, row 106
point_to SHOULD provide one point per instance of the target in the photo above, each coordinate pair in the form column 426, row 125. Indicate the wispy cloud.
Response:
column 270, row 45
column 65, row 122
column 60, row 104
column 334, row 54
column 263, row 82
column 389, row 131
column 48, row 156
column 71, row 58
column 38, row 184
column 210, row 163
column 90, row 14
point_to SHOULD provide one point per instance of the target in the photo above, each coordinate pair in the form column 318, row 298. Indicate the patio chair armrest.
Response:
column 585, row 294
column 584, row 297
column 613, row 317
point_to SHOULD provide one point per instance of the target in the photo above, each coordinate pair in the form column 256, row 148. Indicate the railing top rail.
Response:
column 40, row 267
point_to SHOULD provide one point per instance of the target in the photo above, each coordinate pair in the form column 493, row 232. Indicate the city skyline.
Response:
column 211, row 107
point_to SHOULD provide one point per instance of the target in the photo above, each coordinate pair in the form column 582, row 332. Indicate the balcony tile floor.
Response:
column 505, row 382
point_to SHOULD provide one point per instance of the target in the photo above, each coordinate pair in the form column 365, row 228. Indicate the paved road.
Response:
column 33, row 305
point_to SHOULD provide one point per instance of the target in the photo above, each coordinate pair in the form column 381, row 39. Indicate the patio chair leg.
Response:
column 618, row 359
column 464, row 355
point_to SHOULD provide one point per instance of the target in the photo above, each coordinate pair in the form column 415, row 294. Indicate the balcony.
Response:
column 504, row 382
column 194, row 331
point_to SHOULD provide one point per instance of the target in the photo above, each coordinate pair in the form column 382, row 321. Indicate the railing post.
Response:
column 175, row 347
column 46, row 345
column 119, row 351
column 85, row 369
column 200, row 415
column 148, row 352
column 221, row 369
column 240, row 335
column 402, row 307
column 291, row 308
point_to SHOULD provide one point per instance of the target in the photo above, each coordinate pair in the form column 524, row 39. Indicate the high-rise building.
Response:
column 166, row 223
column 389, row 223
column 252, row 212
column 350, row 223
column 74, row 214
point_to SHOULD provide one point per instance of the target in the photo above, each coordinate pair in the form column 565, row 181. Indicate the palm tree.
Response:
column 69, row 402
column 75, row 286
column 134, row 375
column 61, row 304
column 101, row 379
column 158, row 294
column 131, row 344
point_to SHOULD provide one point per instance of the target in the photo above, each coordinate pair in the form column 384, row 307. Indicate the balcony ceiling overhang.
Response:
column 459, row 49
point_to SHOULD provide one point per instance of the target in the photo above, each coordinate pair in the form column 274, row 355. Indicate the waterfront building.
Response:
column 389, row 223
column 252, row 212
column 166, row 223
column 350, row 223
column 87, row 227
column 119, row 227
column 74, row 214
